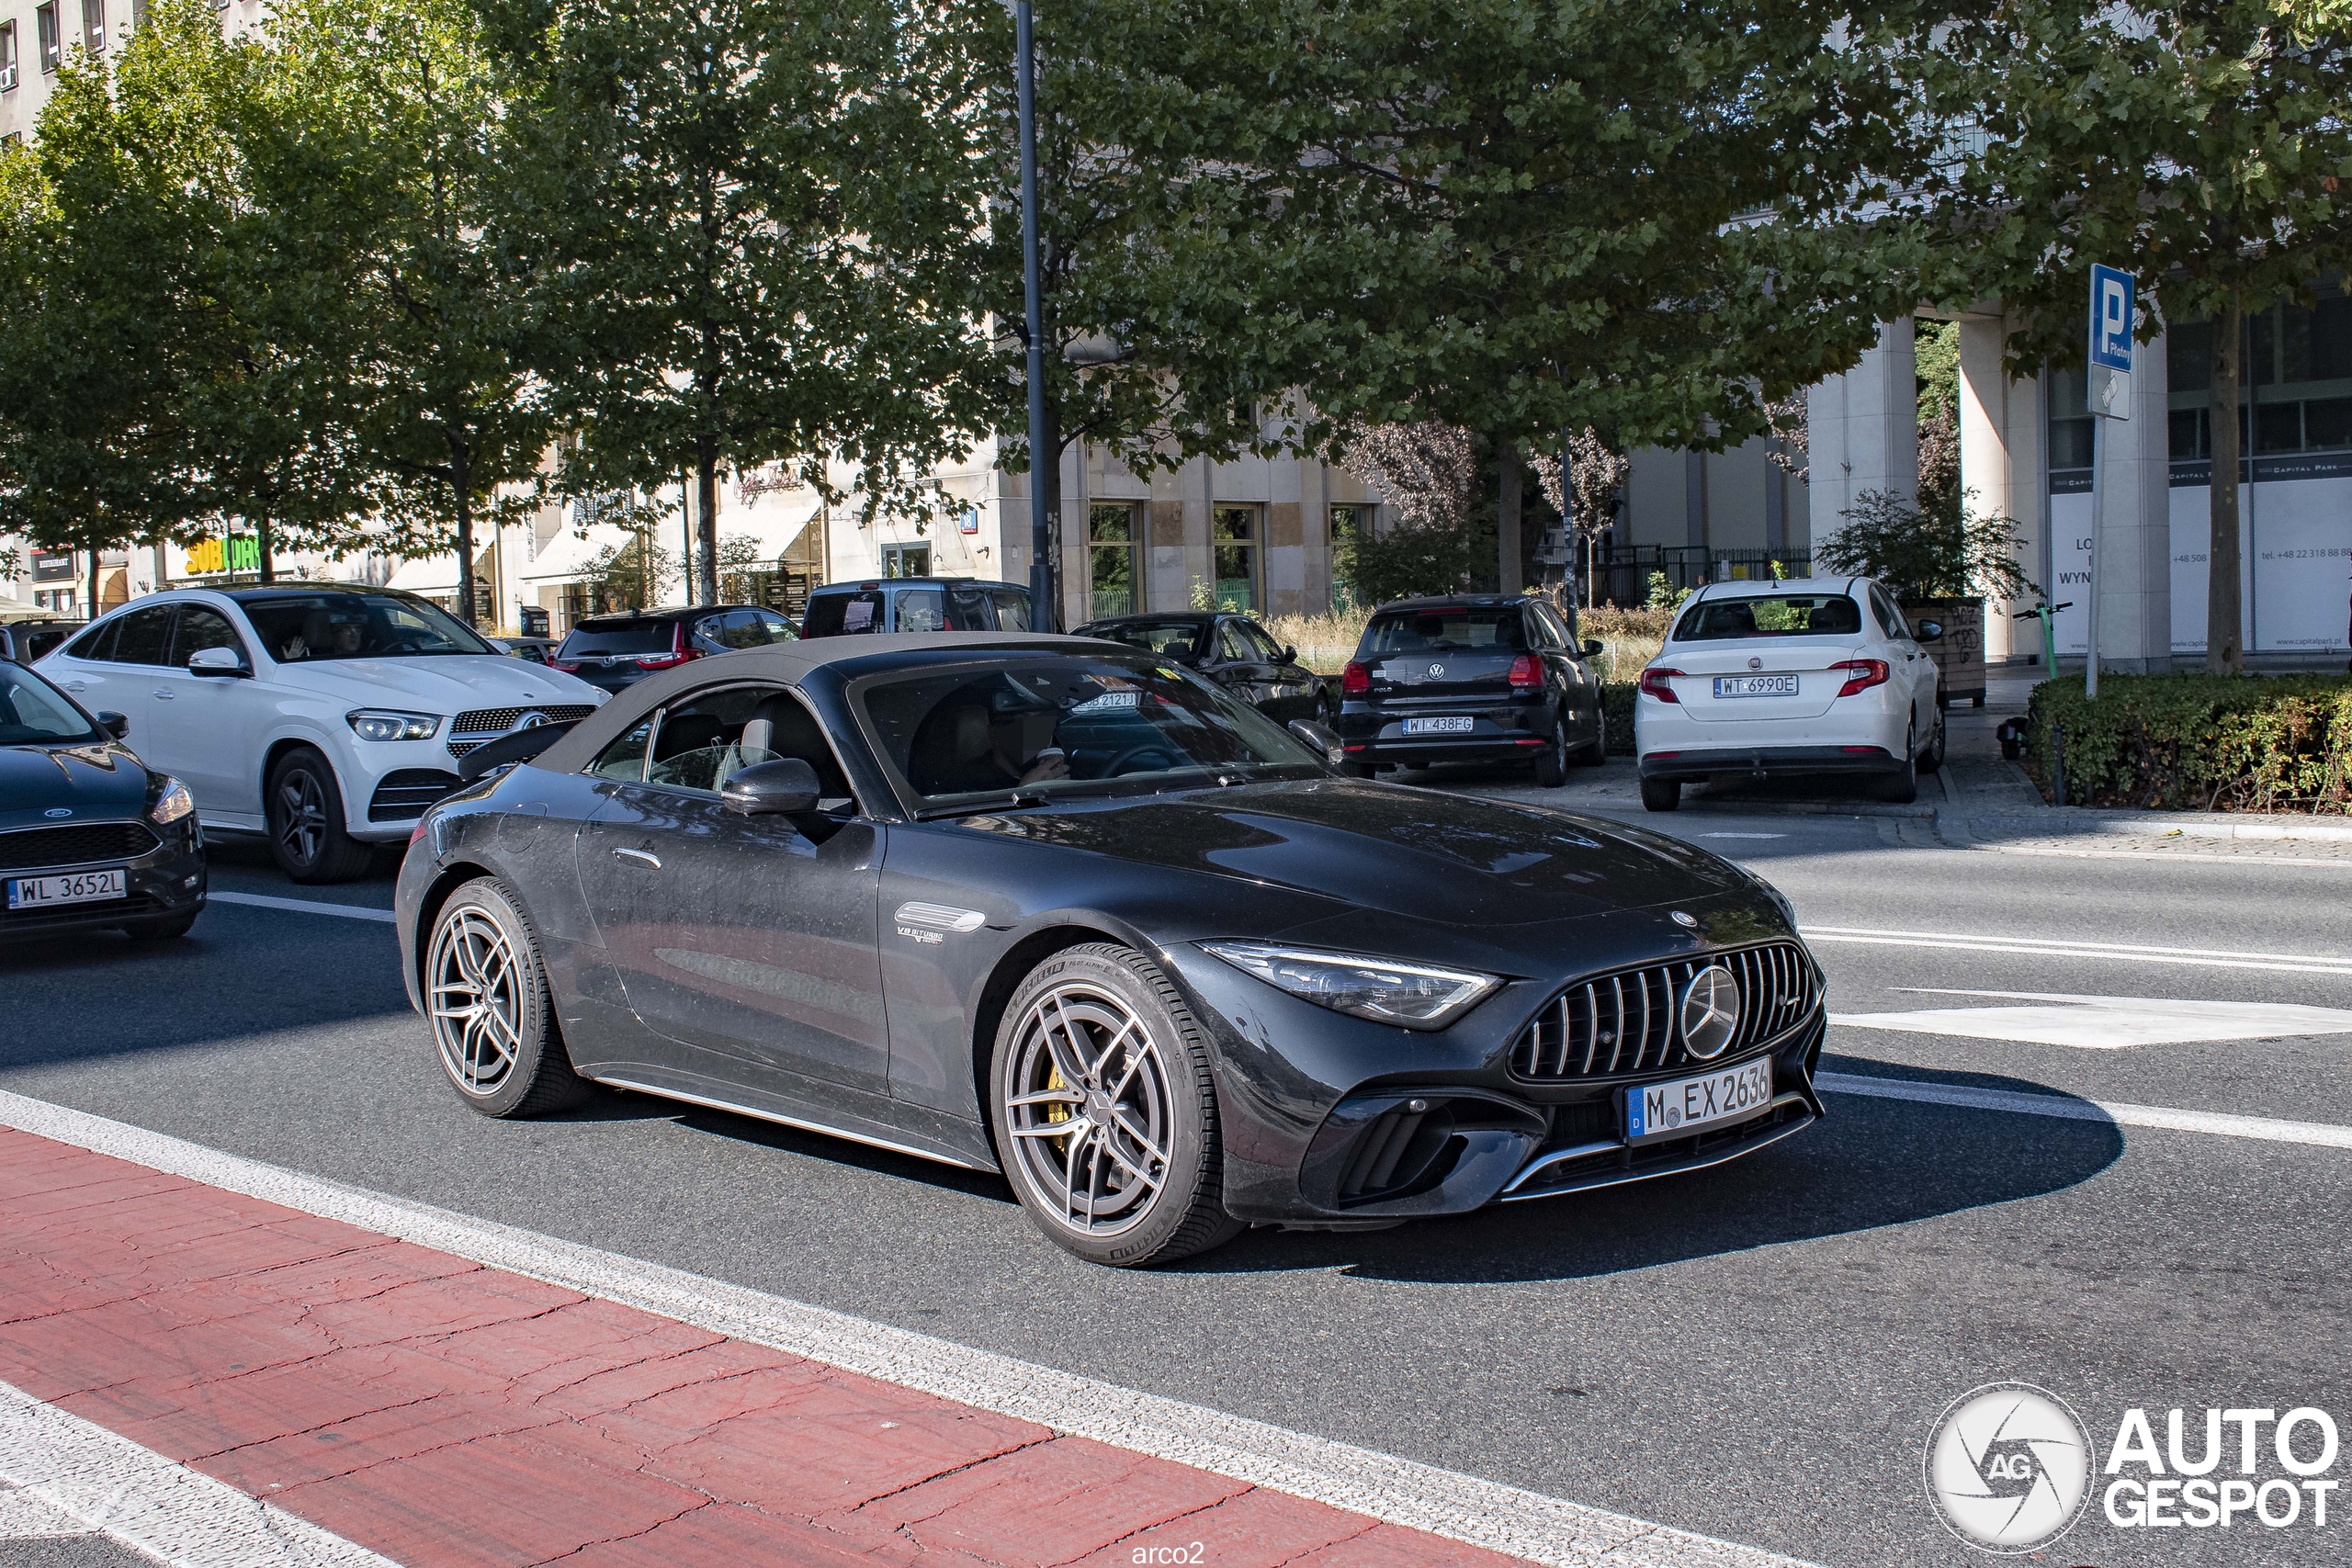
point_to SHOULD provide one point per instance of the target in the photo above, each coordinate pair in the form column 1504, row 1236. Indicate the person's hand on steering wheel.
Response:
column 1050, row 764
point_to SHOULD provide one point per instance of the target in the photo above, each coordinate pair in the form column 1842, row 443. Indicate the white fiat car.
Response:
column 1820, row 675
column 323, row 716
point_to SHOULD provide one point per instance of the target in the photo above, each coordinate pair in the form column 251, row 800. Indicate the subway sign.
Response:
column 238, row 552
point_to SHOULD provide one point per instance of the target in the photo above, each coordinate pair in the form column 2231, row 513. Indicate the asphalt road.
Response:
column 1755, row 1352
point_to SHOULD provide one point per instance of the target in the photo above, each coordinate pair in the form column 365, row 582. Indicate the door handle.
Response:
column 162, row 696
column 648, row 856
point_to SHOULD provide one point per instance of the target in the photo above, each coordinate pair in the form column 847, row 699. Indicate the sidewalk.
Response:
column 387, row 1401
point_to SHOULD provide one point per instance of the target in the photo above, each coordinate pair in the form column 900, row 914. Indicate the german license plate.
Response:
column 81, row 887
column 1689, row 1105
column 1756, row 686
column 1437, row 725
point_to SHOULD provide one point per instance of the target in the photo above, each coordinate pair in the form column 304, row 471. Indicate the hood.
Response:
column 1444, row 858
column 443, row 683
column 96, row 781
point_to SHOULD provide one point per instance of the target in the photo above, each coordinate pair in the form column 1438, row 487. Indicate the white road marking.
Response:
column 2118, row 953
column 2206, row 855
column 305, row 906
column 2065, row 1108
column 2105, row 1023
column 1383, row 1486
column 110, row 1485
column 23, row 1516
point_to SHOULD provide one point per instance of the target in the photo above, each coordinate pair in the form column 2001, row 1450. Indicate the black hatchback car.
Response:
column 1475, row 678
column 617, row 651
column 90, row 837
column 1232, row 650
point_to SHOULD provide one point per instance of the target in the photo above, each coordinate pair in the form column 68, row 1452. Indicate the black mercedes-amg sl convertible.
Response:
column 1062, row 909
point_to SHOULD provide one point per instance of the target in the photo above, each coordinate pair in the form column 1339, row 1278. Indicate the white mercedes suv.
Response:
column 325, row 716
column 1819, row 675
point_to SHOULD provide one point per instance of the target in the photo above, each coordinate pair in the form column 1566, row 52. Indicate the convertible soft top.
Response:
column 790, row 664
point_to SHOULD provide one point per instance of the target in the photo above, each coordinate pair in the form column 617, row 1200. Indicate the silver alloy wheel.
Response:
column 1087, row 1106
column 302, row 815
column 474, row 997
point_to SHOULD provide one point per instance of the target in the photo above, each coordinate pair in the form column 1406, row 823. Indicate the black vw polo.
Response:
column 1068, row 911
column 89, row 836
column 1479, row 678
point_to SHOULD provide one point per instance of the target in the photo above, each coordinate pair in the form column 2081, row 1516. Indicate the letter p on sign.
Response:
column 2111, row 355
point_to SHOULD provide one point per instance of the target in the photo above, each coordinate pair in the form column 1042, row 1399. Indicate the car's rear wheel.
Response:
column 1661, row 794
column 493, row 1020
column 306, row 831
column 1903, row 787
column 1105, row 1111
column 1551, row 763
column 1932, row 758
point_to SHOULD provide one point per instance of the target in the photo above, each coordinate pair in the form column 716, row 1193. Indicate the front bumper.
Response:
column 1764, row 761
column 167, row 881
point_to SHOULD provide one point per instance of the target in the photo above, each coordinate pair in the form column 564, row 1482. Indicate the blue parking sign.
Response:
column 2111, row 319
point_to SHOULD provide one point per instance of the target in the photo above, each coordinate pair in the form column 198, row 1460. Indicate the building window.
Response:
column 906, row 560
column 2296, row 382
column 93, row 25
column 1351, row 525
column 7, row 55
column 1114, row 571
column 1232, row 544
column 52, row 46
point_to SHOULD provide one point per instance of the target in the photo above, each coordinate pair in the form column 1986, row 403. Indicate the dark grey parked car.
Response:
column 1232, row 651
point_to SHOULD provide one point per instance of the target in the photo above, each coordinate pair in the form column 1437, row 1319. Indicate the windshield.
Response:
column 619, row 637
column 1446, row 631
column 34, row 712
column 1170, row 640
column 1792, row 615
column 1058, row 724
column 305, row 627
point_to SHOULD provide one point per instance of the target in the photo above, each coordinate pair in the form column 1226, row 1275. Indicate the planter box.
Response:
column 1959, row 652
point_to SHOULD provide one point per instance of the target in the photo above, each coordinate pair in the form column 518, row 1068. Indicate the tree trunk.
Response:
column 1510, row 576
column 1047, row 476
column 465, row 534
column 2224, row 635
column 686, row 521
column 706, row 522
column 93, row 585
column 262, row 550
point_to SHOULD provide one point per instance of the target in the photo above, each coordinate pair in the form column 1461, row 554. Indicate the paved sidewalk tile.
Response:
column 447, row 1415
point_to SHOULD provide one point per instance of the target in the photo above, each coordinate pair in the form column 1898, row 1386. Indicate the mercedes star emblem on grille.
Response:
column 1710, row 1012
column 531, row 720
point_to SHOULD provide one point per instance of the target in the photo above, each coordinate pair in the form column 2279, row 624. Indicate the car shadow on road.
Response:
column 823, row 1146
column 1871, row 1164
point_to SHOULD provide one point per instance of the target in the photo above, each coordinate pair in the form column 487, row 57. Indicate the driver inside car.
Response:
column 964, row 747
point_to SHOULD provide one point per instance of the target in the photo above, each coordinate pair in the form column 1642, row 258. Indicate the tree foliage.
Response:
column 1948, row 553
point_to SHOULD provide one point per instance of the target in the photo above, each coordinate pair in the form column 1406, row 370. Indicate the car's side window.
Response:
column 1233, row 644
column 773, row 626
column 95, row 644
column 145, row 637
column 1263, row 647
column 1011, row 609
column 200, row 628
column 922, row 609
column 624, row 755
column 702, row 742
column 1890, row 619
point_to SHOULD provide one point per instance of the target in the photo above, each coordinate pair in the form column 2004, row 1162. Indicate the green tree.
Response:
column 1525, row 218
column 380, row 157
column 738, row 221
column 2201, row 144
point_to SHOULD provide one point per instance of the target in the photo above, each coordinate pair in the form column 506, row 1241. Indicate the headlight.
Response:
column 172, row 804
column 373, row 724
column 1414, row 996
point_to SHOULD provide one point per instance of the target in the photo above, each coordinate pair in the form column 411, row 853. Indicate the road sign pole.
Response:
column 2107, row 383
column 2090, row 664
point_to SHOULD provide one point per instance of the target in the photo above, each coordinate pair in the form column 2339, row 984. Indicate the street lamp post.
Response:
column 1041, row 569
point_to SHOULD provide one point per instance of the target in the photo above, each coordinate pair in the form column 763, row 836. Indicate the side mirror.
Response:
column 1290, row 654
column 114, row 724
column 1928, row 631
column 1320, row 737
column 1591, row 648
column 781, row 786
column 216, row 662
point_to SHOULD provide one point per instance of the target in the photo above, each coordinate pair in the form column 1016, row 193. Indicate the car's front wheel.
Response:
column 1933, row 758
column 493, row 1016
column 1105, row 1114
column 306, row 833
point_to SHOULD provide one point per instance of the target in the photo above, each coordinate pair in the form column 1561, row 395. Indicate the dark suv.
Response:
column 24, row 638
column 1475, row 678
column 917, row 605
column 1232, row 651
column 615, row 651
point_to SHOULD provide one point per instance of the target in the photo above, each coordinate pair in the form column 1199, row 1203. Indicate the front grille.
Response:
column 1396, row 1152
column 81, row 844
column 1625, row 1022
column 405, row 793
column 489, row 724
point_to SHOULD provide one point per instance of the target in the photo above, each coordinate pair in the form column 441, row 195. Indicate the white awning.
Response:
column 565, row 558
column 432, row 574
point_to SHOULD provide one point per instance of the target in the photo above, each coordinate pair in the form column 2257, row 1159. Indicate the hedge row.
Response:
column 2199, row 743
